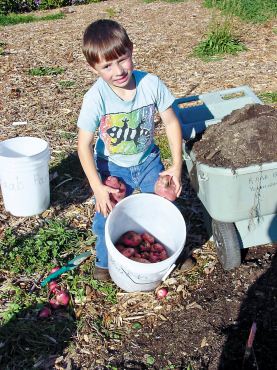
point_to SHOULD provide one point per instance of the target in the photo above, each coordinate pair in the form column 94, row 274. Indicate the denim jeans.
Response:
column 142, row 176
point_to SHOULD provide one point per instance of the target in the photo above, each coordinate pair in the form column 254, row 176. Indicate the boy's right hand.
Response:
column 102, row 197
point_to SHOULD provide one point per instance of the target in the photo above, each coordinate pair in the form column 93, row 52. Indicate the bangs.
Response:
column 105, row 40
column 110, row 52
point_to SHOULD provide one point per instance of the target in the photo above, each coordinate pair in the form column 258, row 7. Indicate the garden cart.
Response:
column 240, row 206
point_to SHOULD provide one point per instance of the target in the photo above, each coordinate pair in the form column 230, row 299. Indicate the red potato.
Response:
column 145, row 246
column 120, row 247
column 148, row 237
column 154, row 257
column 165, row 187
column 162, row 293
column 54, row 304
column 121, row 194
column 157, row 247
column 137, row 247
column 62, row 297
column 163, row 255
column 114, row 183
column 131, row 239
column 137, row 254
column 128, row 252
column 44, row 313
column 145, row 255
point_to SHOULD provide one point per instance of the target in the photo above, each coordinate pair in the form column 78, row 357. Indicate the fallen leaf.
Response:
column 204, row 342
column 193, row 305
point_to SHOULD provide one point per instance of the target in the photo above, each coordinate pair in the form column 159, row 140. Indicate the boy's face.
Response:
column 116, row 72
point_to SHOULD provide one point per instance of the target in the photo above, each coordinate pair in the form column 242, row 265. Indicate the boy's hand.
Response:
column 103, row 202
column 175, row 173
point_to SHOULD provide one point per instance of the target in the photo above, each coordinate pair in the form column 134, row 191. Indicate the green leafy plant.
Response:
column 51, row 4
column 249, row 10
column 11, row 19
column 38, row 252
column 219, row 40
column 66, row 84
column 17, row 6
column 167, row 1
column 162, row 142
column 108, row 289
column 150, row 360
column 111, row 12
column 23, row 6
column 46, row 71
column 269, row 97
column 136, row 325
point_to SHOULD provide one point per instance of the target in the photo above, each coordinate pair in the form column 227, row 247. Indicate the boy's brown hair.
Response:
column 105, row 39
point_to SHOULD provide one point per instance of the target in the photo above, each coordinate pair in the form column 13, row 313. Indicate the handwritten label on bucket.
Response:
column 19, row 184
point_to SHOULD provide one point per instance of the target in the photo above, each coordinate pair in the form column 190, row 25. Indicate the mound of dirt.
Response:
column 245, row 137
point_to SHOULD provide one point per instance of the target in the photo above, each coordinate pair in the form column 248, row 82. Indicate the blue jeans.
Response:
column 142, row 176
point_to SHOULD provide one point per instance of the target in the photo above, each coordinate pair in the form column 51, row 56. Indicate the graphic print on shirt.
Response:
column 128, row 133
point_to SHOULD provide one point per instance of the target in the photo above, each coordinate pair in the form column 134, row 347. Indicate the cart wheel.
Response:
column 227, row 244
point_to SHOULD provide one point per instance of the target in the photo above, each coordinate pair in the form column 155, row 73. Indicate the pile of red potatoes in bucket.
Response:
column 141, row 247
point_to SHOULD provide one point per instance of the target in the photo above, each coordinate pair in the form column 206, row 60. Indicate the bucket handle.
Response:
column 168, row 272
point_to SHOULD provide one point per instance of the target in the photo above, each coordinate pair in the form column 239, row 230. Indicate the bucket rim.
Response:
column 39, row 154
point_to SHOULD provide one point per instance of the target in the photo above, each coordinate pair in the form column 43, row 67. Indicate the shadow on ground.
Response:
column 259, row 306
column 27, row 342
column 68, row 182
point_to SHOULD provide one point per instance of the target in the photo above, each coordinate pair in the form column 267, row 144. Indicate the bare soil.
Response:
column 206, row 318
column 245, row 137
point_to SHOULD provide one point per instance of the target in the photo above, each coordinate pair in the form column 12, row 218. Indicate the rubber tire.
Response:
column 227, row 244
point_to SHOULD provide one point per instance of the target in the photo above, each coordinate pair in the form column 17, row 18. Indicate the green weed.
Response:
column 46, row 71
column 66, row 84
column 248, row 10
column 150, row 360
column 111, row 12
column 11, row 19
column 54, row 243
column 167, row 1
column 109, row 290
column 16, row 299
column 219, row 41
column 162, row 143
column 269, row 97
column 67, row 135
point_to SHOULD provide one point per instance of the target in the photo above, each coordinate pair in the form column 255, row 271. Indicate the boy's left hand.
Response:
column 175, row 173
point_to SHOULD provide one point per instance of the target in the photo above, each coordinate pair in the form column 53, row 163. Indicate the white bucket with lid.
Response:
column 144, row 212
column 24, row 175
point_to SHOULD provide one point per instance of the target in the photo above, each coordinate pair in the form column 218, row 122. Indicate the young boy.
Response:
column 121, row 106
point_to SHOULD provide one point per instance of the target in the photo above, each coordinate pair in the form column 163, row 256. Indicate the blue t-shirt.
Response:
column 125, row 128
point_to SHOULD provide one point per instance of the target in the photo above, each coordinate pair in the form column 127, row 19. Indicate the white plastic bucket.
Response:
column 144, row 212
column 24, row 175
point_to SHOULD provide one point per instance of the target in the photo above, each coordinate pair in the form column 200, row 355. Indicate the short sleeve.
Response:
column 90, row 113
column 164, row 97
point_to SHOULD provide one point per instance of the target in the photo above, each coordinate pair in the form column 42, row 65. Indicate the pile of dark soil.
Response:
column 245, row 137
